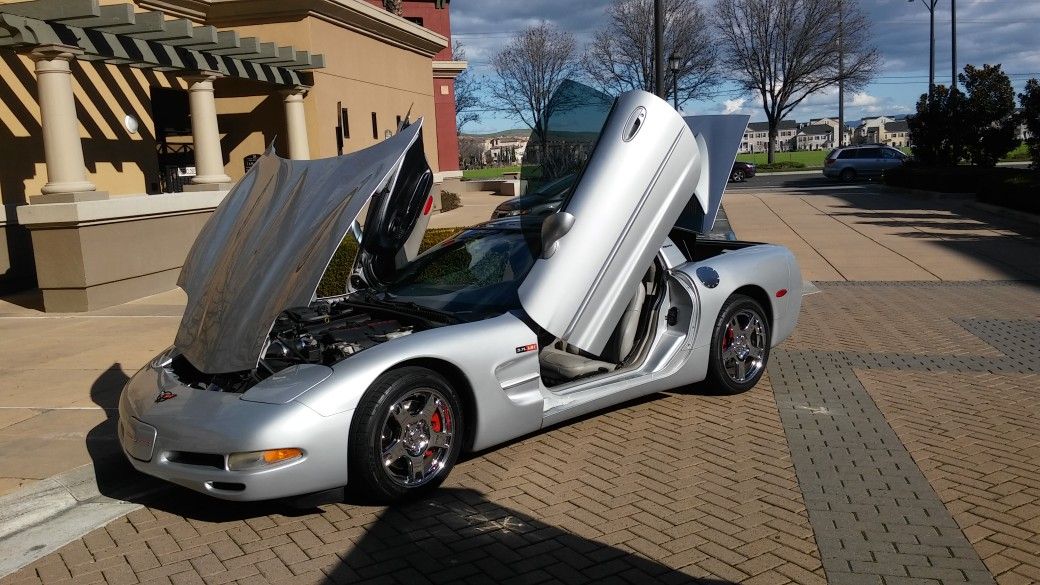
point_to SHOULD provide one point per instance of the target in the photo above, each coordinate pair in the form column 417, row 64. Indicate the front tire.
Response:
column 739, row 346
column 737, row 176
column 406, row 434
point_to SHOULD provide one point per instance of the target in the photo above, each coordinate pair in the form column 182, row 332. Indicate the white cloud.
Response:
column 733, row 106
column 864, row 100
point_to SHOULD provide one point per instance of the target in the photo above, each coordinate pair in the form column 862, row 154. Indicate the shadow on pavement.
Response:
column 1007, row 246
column 115, row 477
column 457, row 536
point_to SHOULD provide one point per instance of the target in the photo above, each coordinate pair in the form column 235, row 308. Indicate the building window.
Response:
column 375, row 127
column 346, row 123
column 399, row 122
column 415, row 20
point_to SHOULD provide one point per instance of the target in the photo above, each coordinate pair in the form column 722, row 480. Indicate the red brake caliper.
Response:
column 435, row 426
column 728, row 338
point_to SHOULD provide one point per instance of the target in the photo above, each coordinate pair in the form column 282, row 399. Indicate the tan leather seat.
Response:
column 563, row 362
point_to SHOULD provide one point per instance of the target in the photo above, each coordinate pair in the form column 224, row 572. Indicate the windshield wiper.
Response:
column 407, row 308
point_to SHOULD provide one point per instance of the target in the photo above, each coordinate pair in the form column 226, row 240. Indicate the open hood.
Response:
column 719, row 138
column 269, row 242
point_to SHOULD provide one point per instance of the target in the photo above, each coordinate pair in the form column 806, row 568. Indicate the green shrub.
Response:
column 783, row 165
column 334, row 281
column 450, row 201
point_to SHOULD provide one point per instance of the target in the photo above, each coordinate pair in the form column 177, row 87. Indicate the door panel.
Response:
column 644, row 169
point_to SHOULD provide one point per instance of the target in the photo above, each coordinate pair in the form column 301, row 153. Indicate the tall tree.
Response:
column 1030, row 100
column 467, row 92
column 937, row 142
column 989, row 113
column 787, row 50
column 621, row 55
column 529, row 70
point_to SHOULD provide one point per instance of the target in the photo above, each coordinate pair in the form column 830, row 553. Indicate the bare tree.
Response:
column 787, row 50
column 529, row 70
column 621, row 55
column 467, row 92
column 393, row 6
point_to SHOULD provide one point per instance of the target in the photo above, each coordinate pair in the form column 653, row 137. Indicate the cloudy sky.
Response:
column 988, row 31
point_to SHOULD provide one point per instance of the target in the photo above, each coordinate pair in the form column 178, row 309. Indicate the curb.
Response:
column 41, row 518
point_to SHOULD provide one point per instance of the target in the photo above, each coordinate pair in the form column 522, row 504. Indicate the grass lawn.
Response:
column 809, row 158
column 490, row 172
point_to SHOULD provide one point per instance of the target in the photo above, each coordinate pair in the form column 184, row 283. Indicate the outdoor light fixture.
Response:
column 131, row 124
column 673, row 64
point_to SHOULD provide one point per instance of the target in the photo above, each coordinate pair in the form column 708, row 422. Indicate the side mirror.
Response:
column 555, row 227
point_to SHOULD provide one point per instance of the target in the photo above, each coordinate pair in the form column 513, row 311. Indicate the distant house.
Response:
column 506, row 147
column 756, row 137
column 895, row 133
column 872, row 129
column 815, row 137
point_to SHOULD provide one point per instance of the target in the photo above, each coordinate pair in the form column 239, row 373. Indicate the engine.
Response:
column 326, row 333
column 322, row 333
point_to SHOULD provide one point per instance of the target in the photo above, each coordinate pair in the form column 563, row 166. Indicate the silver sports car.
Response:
column 501, row 330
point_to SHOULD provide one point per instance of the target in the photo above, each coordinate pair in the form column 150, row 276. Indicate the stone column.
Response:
column 209, row 161
column 296, row 123
column 62, row 147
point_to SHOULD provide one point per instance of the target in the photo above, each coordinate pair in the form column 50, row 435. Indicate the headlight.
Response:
column 258, row 459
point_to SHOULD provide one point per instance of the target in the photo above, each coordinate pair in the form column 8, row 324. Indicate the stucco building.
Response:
column 110, row 109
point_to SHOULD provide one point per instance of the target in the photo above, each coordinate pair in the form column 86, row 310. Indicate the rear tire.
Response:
column 848, row 175
column 406, row 434
column 737, row 176
column 740, row 345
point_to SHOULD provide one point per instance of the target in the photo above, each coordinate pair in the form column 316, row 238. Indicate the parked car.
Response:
column 742, row 171
column 870, row 160
column 501, row 330
column 546, row 198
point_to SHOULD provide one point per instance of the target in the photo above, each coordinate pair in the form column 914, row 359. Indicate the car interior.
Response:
column 562, row 363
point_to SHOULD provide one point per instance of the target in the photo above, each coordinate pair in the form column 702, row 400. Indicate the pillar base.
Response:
column 70, row 197
column 196, row 187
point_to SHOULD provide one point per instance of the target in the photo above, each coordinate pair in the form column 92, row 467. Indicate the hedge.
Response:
column 1007, row 187
column 782, row 165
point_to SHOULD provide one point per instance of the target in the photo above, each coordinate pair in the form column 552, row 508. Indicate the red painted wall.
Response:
column 447, row 135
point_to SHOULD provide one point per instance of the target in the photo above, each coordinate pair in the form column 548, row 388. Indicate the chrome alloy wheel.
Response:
column 416, row 437
column 743, row 346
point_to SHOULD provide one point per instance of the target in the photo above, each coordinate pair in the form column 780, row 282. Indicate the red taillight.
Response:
column 429, row 205
column 828, row 161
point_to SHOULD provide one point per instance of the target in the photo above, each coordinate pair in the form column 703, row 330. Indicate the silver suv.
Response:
column 870, row 160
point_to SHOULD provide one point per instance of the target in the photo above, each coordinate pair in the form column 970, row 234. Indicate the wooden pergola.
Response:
column 55, row 32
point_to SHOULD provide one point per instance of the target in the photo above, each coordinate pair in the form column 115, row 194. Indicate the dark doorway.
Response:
column 173, row 137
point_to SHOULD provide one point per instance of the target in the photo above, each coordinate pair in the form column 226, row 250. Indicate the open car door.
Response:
column 641, row 174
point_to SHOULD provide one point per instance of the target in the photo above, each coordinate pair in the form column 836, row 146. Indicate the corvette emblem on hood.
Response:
column 164, row 396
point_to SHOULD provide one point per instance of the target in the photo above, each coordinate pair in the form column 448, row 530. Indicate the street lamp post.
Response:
column 953, row 40
column 673, row 64
column 659, row 48
column 930, row 5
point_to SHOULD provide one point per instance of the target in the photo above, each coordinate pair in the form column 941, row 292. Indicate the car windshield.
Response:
column 474, row 272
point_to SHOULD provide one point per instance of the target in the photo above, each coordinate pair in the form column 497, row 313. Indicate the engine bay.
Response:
column 325, row 332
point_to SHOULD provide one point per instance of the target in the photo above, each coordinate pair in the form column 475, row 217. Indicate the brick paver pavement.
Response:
column 678, row 487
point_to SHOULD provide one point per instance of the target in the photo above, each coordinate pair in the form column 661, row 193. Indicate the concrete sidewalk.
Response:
column 61, row 378
column 864, row 234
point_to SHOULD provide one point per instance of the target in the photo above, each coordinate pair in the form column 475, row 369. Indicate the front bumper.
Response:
column 185, row 439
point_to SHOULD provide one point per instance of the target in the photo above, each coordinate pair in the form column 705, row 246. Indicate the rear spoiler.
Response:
column 719, row 138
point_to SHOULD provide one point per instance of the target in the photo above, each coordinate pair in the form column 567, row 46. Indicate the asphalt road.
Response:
column 789, row 181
